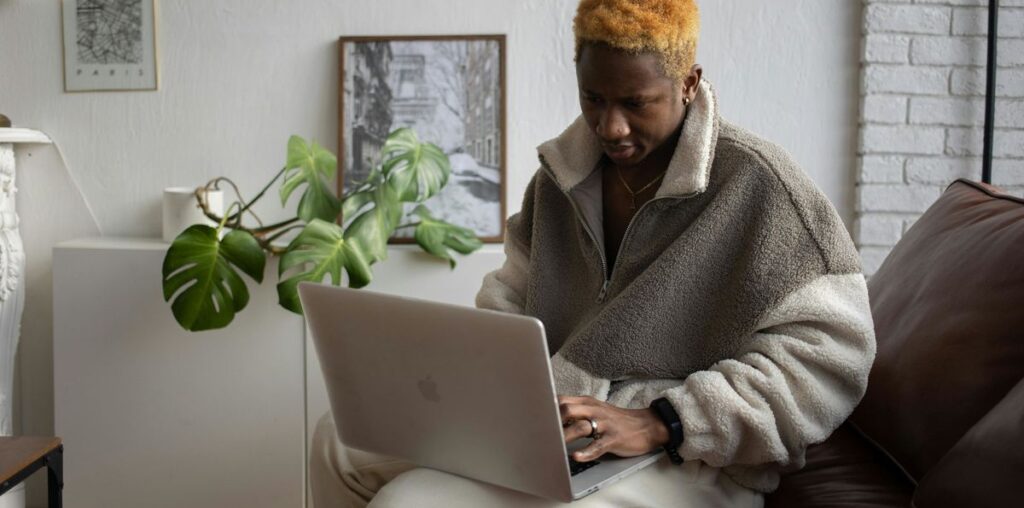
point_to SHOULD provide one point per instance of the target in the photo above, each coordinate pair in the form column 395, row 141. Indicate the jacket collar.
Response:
column 574, row 154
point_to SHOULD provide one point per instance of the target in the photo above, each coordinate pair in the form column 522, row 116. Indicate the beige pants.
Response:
column 349, row 478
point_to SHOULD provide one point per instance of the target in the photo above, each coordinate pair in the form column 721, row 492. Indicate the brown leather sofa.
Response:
column 942, row 423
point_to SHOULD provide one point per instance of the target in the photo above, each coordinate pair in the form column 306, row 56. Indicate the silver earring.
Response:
column 686, row 101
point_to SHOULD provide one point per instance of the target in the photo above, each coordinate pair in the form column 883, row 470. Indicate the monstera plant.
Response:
column 203, row 268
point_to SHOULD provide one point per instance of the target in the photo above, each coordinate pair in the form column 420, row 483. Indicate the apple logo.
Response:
column 428, row 389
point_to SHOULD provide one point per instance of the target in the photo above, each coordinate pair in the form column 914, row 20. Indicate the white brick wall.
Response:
column 923, row 108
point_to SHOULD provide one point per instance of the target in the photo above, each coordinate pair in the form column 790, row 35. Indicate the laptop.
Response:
column 458, row 389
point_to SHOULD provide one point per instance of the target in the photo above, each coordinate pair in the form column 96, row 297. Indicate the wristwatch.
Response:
column 670, row 418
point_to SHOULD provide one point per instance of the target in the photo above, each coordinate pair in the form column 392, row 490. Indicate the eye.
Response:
column 635, row 104
column 592, row 99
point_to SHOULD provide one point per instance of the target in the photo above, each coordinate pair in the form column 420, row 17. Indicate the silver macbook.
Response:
column 457, row 389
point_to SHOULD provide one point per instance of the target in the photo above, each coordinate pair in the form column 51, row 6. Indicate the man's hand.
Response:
column 624, row 432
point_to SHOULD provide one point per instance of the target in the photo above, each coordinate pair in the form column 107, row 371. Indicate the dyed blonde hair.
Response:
column 669, row 28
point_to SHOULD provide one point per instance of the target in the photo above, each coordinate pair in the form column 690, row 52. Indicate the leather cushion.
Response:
column 986, row 467
column 947, row 305
column 843, row 472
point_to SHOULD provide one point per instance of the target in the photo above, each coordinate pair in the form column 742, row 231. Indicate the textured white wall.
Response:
column 239, row 76
column 923, row 110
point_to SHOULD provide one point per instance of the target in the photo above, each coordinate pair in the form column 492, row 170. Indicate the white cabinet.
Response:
column 155, row 416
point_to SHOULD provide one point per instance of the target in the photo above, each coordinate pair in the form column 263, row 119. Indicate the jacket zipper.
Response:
column 586, row 227
column 626, row 237
column 606, row 277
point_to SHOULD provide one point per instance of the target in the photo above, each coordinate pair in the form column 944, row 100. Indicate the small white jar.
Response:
column 181, row 210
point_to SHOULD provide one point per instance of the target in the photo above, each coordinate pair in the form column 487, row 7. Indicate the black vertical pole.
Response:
column 990, row 90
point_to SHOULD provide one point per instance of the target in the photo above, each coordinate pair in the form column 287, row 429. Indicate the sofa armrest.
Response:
column 844, row 471
column 986, row 466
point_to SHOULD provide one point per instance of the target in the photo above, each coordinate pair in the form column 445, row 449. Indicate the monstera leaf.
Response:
column 321, row 249
column 371, row 229
column 205, row 267
column 355, row 202
column 437, row 236
column 361, row 196
column 311, row 165
column 416, row 171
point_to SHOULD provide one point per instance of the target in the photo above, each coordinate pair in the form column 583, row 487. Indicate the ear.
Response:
column 692, row 82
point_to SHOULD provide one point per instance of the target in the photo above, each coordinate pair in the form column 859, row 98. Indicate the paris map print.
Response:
column 109, row 45
column 109, row 31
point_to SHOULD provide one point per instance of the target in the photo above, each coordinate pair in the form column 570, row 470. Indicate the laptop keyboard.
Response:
column 576, row 468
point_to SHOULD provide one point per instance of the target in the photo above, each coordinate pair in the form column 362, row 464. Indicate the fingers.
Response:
column 592, row 452
column 576, row 420
column 577, row 429
column 567, row 399
column 573, row 413
column 577, row 412
column 577, row 408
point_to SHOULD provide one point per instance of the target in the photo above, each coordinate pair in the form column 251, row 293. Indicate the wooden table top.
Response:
column 16, row 453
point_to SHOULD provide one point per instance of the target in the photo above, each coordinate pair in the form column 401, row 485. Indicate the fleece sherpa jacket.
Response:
column 737, row 294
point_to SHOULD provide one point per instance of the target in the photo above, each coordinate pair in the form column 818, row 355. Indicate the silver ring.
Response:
column 594, row 434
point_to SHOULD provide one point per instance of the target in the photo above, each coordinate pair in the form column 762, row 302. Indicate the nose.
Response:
column 612, row 126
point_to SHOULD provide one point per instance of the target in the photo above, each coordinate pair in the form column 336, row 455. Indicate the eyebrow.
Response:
column 635, row 97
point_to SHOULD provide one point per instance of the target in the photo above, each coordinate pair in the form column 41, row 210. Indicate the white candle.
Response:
column 181, row 210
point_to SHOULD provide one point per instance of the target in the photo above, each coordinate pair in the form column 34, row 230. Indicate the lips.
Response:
column 620, row 152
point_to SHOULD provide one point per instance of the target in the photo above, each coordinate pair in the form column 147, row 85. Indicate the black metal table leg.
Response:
column 55, row 477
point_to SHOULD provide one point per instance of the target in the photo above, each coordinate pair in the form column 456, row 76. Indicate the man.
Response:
column 701, row 295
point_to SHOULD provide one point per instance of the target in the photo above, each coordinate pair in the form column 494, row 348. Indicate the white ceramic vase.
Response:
column 181, row 210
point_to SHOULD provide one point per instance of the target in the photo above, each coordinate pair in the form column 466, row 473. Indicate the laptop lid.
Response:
column 458, row 389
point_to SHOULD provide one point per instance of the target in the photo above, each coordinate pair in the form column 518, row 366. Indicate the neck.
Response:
column 652, row 165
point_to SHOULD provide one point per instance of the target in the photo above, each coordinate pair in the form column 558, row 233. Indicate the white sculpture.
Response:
column 12, row 291
column 12, row 287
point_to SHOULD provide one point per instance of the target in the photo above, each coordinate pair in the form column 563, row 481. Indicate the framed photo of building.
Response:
column 451, row 91
column 109, row 45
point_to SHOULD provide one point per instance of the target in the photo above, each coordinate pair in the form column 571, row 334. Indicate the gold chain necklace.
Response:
column 632, row 193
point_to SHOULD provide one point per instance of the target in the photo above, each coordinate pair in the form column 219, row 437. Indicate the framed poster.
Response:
column 109, row 45
column 450, row 90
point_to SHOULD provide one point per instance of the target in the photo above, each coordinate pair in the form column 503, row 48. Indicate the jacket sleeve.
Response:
column 793, row 384
column 505, row 289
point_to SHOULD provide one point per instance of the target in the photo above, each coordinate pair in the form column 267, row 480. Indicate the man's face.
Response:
column 628, row 102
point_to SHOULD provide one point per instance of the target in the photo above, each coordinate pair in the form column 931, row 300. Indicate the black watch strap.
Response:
column 670, row 418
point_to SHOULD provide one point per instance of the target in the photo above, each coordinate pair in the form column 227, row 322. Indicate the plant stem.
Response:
column 277, row 235
column 264, row 190
column 409, row 225
column 244, row 206
column 224, row 219
column 257, row 233
column 205, row 207
column 267, row 229
column 274, row 251
column 238, row 194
